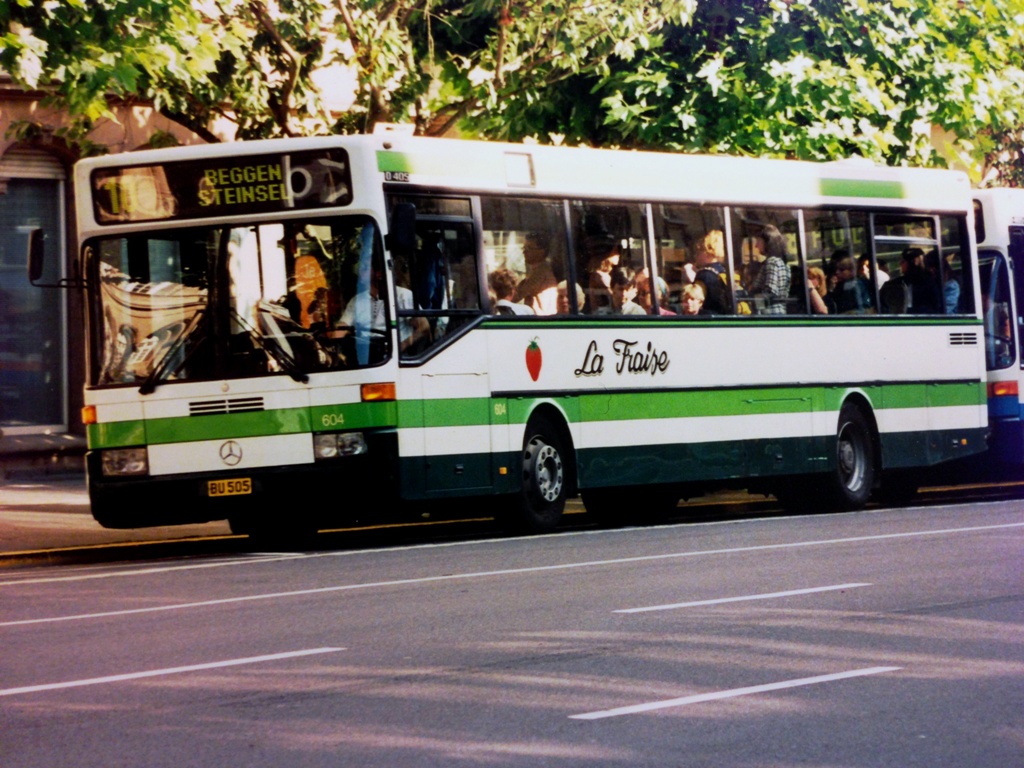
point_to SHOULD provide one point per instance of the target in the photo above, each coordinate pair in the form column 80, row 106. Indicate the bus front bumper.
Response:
column 322, row 492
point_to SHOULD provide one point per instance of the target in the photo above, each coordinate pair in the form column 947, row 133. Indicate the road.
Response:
column 881, row 638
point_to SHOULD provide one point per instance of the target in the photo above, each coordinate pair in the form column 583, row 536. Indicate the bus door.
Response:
column 1015, row 252
column 1004, row 409
column 438, row 301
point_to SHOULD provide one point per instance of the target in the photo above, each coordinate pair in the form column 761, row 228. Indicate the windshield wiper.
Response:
column 164, row 368
column 273, row 348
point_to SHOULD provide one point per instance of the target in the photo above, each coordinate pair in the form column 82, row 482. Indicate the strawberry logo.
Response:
column 533, row 359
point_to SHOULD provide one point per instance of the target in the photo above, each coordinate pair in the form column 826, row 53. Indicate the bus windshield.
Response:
column 224, row 302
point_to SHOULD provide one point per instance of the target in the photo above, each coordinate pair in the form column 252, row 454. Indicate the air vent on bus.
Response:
column 235, row 405
column 963, row 339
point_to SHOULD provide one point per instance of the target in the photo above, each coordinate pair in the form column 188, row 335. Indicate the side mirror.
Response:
column 35, row 255
column 402, row 236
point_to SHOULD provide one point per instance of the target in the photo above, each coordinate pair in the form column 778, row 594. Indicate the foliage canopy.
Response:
column 923, row 82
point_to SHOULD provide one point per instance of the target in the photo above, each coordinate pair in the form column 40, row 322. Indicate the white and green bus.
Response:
column 291, row 334
column 999, row 224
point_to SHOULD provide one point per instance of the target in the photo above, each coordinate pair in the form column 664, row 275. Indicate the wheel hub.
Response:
column 547, row 472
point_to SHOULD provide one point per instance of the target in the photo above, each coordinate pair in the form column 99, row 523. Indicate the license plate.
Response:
column 239, row 486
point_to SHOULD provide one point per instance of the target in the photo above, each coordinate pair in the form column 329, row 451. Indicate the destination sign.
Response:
column 222, row 186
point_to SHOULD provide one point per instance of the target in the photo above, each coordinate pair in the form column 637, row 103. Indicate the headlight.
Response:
column 331, row 445
column 125, row 461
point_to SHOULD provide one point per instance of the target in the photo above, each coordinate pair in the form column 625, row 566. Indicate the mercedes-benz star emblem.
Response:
column 231, row 453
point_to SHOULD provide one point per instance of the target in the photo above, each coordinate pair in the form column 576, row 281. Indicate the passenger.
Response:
column 772, row 281
column 915, row 291
column 538, row 290
column 753, row 260
column 644, row 295
column 711, row 273
column 411, row 330
column 864, row 268
column 692, row 301
column 564, row 307
column 851, row 294
column 603, row 257
column 502, row 282
column 623, row 280
column 818, row 290
column 950, row 289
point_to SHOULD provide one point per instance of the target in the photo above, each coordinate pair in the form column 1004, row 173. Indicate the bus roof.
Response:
column 481, row 166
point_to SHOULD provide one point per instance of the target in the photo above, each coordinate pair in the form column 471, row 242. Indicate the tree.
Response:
column 86, row 52
column 922, row 82
column 257, row 62
column 832, row 78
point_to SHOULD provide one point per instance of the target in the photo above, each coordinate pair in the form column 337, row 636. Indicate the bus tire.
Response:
column 854, row 474
column 544, row 482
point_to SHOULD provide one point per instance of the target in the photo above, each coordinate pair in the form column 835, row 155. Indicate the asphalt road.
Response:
column 882, row 638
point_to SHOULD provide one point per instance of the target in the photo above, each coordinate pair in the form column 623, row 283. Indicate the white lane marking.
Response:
column 720, row 600
column 256, row 558
column 168, row 671
column 506, row 572
column 271, row 557
column 717, row 695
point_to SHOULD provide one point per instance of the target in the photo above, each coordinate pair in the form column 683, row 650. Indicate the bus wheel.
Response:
column 538, row 506
column 855, row 459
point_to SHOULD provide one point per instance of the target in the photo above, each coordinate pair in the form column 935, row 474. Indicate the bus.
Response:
column 293, row 334
column 999, row 224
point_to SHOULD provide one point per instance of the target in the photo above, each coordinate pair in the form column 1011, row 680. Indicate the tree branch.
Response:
column 294, row 63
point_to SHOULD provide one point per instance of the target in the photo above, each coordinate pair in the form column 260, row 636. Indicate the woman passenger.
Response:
column 818, row 290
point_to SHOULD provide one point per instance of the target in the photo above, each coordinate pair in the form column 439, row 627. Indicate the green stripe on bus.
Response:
column 116, row 433
column 932, row 395
column 861, row 188
column 277, row 422
column 624, row 406
column 258, row 424
column 354, row 416
column 449, row 412
column 393, row 162
column 655, row 405
column 580, row 408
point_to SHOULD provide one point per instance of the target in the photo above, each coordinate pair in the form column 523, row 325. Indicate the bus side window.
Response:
column 917, row 265
column 525, row 249
column 680, row 233
column 610, row 241
column 766, row 244
column 840, row 268
column 957, row 290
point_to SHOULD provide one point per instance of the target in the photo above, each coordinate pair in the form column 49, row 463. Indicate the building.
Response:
column 42, row 360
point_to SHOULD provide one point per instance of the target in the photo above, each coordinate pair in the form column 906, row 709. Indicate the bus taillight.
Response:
column 1002, row 389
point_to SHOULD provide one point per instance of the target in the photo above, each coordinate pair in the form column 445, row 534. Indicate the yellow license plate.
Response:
column 239, row 486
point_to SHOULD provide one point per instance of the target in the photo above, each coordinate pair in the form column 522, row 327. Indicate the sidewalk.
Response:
column 48, row 513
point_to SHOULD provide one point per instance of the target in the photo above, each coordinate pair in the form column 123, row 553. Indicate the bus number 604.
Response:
column 332, row 419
